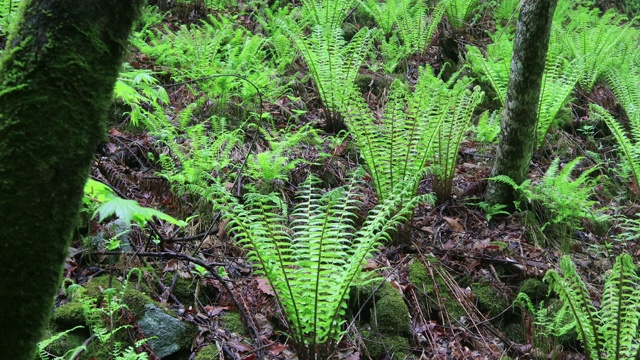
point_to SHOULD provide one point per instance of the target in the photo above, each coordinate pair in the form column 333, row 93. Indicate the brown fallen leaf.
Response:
column 454, row 224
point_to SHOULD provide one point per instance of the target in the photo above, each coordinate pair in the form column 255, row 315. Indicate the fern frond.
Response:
column 619, row 310
column 629, row 148
column 573, row 291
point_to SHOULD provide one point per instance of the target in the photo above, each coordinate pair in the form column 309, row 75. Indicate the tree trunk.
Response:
column 518, row 119
column 56, row 81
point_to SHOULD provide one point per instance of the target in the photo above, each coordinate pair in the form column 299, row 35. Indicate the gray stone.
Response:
column 164, row 331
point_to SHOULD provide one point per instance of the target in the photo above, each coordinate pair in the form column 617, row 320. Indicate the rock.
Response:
column 164, row 331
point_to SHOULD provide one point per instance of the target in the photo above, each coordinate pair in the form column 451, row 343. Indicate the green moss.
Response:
column 390, row 315
column 133, row 298
column 424, row 284
column 208, row 352
column 66, row 343
column 380, row 347
column 535, row 289
column 488, row 300
column 69, row 315
column 233, row 322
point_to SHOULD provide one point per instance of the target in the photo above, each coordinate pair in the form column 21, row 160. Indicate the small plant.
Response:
column 415, row 27
column 417, row 128
column 8, row 12
column 546, row 324
column 459, row 12
column 332, row 61
column 565, row 200
column 312, row 255
column 611, row 331
column 493, row 210
column 488, row 128
column 139, row 90
column 102, row 320
column 106, row 204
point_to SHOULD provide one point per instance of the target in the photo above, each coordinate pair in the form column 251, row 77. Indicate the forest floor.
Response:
column 453, row 240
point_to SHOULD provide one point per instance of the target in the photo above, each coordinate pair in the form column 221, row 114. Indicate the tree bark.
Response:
column 56, row 81
column 519, row 117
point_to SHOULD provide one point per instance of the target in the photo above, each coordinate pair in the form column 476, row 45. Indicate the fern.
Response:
column 217, row 46
column 399, row 144
column 592, row 40
column 610, row 332
column 627, row 141
column 415, row 27
column 456, row 106
column 558, row 82
column 8, row 13
column 565, row 199
column 548, row 323
column 311, row 258
column 459, row 12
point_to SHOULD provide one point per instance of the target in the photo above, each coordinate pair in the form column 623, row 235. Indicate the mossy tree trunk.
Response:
column 56, row 81
column 519, row 117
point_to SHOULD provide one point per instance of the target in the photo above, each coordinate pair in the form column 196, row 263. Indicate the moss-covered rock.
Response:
column 390, row 315
column 69, row 315
column 385, row 347
column 535, row 289
column 186, row 289
column 432, row 291
column 208, row 352
column 233, row 322
column 134, row 299
column 66, row 343
column 488, row 300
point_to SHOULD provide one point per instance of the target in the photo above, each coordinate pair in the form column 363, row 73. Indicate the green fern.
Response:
column 548, row 323
column 415, row 27
column 8, row 13
column 456, row 106
column 216, row 46
column 610, row 332
column 416, row 128
column 627, row 142
column 591, row 39
column 311, row 257
column 459, row 12
column 565, row 199
column 559, row 79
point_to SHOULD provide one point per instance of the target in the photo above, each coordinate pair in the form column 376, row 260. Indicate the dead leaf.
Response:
column 454, row 224
column 215, row 310
column 172, row 265
column 263, row 284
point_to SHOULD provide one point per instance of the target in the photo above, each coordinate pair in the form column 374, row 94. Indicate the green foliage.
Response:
column 488, row 128
column 273, row 165
column 215, row 47
column 138, row 90
column 415, row 27
column 102, row 319
column 459, row 12
column 628, row 143
column 456, row 104
column 199, row 153
column 8, row 14
column 610, row 332
column 624, row 82
column 566, row 200
column 410, row 18
column 593, row 40
column 507, row 10
column 333, row 63
column 558, row 81
column 415, row 128
column 126, row 210
column 549, row 323
column 311, row 256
